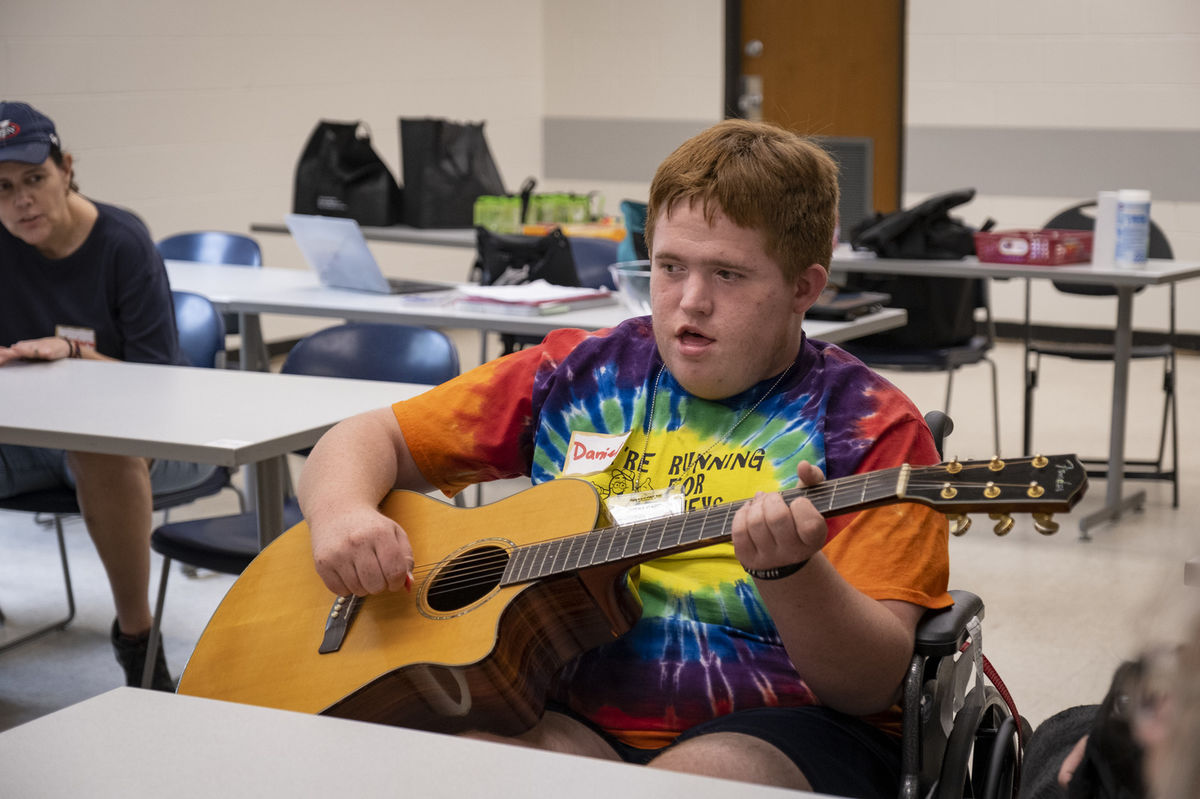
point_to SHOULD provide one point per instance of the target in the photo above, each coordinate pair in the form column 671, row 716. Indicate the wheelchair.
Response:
column 962, row 736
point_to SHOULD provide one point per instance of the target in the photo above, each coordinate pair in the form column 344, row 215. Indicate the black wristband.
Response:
column 72, row 347
column 779, row 572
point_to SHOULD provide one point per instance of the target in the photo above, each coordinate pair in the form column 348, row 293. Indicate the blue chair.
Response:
column 592, row 257
column 362, row 350
column 376, row 351
column 213, row 247
column 633, row 248
column 202, row 338
column 201, row 329
column 1075, row 218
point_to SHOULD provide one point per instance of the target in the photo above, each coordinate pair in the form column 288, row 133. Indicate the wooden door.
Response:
column 827, row 68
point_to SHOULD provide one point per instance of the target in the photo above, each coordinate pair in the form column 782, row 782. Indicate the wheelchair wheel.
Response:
column 981, row 753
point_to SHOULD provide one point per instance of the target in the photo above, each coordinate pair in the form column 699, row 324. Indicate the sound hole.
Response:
column 467, row 578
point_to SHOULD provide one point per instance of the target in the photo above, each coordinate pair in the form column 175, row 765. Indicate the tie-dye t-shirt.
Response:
column 705, row 644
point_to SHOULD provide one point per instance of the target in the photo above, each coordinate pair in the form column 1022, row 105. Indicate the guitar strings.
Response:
column 637, row 533
column 492, row 560
column 650, row 527
column 487, row 561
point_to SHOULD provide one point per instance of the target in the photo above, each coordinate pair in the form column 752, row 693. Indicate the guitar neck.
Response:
column 675, row 533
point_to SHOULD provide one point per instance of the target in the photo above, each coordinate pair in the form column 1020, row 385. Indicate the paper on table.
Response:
column 537, row 291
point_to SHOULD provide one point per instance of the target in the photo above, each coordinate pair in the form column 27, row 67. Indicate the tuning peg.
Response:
column 959, row 523
column 1044, row 523
column 1004, row 523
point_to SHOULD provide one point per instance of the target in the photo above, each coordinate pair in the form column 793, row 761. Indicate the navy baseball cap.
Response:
column 25, row 133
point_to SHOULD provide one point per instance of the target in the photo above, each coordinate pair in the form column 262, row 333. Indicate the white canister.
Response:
column 1133, row 228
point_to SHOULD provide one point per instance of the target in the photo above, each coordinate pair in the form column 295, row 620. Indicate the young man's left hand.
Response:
column 768, row 533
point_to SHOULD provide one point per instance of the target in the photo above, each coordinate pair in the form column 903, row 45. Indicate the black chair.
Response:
column 960, row 737
column 202, row 338
column 1075, row 218
column 362, row 350
column 59, row 503
column 947, row 359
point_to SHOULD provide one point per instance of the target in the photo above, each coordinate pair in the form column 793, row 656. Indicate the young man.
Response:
column 753, row 660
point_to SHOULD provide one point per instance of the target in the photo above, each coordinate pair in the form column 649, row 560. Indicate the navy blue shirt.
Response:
column 115, row 284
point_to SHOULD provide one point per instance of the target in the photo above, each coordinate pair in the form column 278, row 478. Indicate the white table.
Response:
column 130, row 742
column 1125, row 281
column 403, row 234
column 250, row 292
column 218, row 416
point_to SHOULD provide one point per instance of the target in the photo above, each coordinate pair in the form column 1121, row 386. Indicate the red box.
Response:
column 1036, row 247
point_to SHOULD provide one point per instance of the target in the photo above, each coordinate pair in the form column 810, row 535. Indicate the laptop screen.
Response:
column 336, row 249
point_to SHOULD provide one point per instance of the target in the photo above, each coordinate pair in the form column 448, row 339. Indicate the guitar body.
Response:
column 477, row 656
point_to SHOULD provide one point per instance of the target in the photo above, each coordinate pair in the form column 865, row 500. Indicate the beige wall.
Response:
column 194, row 114
column 1103, row 65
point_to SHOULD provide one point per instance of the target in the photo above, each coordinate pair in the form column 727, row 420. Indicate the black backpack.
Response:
column 941, row 310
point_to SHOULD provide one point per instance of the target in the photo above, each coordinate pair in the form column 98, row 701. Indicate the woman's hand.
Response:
column 51, row 348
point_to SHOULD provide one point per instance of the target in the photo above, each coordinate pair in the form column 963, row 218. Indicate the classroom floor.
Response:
column 1061, row 613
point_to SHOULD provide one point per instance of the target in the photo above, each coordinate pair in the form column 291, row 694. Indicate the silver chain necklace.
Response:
column 723, row 439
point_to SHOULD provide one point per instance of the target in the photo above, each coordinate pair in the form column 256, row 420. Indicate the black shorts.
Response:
column 838, row 754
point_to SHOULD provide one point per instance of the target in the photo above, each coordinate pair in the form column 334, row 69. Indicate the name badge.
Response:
column 85, row 336
column 643, row 506
column 591, row 453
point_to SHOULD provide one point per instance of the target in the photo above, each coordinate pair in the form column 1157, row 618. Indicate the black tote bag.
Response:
column 447, row 166
column 505, row 260
column 340, row 174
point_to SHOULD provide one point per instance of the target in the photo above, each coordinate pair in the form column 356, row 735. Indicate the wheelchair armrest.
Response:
column 943, row 631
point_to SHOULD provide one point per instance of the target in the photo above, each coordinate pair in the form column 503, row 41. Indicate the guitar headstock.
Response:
column 1041, row 485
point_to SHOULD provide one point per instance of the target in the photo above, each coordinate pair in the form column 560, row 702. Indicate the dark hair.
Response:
column 56, row 155
column 760, row 176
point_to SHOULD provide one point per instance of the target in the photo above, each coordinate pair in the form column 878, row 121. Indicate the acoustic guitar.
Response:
column 504, row 594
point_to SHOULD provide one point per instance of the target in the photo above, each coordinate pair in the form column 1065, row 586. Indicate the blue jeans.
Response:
column 25, row 469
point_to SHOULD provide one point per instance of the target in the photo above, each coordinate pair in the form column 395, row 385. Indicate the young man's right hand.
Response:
column 356, row 549
column 361, row 552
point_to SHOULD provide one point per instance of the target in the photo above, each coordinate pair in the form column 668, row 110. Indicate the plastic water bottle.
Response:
column 1133, row 228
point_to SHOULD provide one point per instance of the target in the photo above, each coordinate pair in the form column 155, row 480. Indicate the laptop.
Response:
column 337, row 250
column 839, row 305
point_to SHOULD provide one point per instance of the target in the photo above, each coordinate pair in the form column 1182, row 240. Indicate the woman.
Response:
column 83, row 280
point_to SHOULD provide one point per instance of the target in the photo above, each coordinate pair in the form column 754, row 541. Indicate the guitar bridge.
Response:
column 337, row 623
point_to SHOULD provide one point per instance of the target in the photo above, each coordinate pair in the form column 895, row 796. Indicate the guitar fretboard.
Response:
column 644, row 540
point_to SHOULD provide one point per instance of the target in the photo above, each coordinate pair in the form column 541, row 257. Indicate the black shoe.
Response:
column 131, row 654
